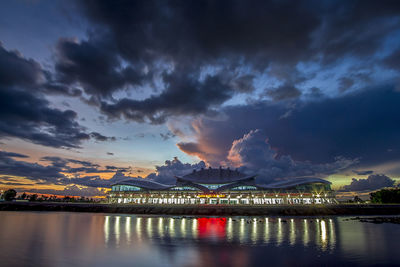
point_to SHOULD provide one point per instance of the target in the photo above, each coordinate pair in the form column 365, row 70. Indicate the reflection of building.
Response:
column 222, row 186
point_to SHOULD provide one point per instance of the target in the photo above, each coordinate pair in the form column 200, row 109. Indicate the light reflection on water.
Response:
column 63, row 239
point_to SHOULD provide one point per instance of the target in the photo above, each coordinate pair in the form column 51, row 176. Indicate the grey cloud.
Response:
column 393, row 60
column 4, row 154
column 363, row 172
column 26, row 114
column 253, row 154
column 183, row 96
column 180, row 40
column 171, row 168
column 166, row 136
column 33, row 171
column 358, row 125
column 373, row 182
column 345, row 83
column 99, row 137
column 283, row 92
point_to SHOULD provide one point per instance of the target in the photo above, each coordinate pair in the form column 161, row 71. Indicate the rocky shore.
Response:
column 281, row 210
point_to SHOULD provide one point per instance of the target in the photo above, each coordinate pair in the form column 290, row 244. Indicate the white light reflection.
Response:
column 161, row 227
column 128, row 229
column 106, row 229
column 279, row 235
column 318, row 234
column 306, row 236
column 266, row 233
column 323, row 235
column 332, row 236
column 229, row 230
column 292, row 236
column 171, row 227
column 148, row 227
column 117, row 230
column 241, row 231
column 139, row 228
column 183, row 225
column 194, row 228
column 254, row 231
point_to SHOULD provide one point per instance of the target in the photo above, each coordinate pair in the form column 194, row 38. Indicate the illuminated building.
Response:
column 222, row 187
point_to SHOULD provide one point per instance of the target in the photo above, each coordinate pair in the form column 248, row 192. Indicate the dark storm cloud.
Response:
column 183, row 96
column 359, row 125
column 18, row 71
column 95, row 64
column 119, row 169
column 53, row 173
column 134, row 44
column 33, row 171
column 345, row 83
column 166, row 136
column 83, row 163
column 283, row 92
column 97, row 181
column 256, row 31
column 205, row 30
column 85, row 166
column 12, row 155
column 29, row 117
column 393, row 60
column 363, row 172
column 254, row 155
column 373, row 182
column 26, row 114
column 99, row 137
column 355, row 28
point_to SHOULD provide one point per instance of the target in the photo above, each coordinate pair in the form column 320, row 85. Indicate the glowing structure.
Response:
column 222, row 187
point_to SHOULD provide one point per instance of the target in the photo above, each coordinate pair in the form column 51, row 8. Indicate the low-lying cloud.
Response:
column 373, row 182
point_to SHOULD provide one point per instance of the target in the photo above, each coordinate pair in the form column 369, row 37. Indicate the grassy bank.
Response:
column 312, row 210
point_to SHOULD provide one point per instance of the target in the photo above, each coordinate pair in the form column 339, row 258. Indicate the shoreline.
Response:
column 213, row 210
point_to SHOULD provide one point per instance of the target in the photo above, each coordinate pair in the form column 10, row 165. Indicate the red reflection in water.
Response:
column 211, row 227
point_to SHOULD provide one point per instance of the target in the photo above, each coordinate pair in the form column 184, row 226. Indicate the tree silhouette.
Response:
column 9, row 194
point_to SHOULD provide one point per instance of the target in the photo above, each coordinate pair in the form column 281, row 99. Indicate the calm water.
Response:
column 88, row 239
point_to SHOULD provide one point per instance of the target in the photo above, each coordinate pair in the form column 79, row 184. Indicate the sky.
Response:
column 92, row 92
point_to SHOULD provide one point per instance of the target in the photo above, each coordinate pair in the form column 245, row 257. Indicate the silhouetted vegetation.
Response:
column 9, row 195
column 386, row 196
column 356, row 199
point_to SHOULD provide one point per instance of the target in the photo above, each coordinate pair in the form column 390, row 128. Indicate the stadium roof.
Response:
column 144, row 183
column 215, row 176
column 230, row 178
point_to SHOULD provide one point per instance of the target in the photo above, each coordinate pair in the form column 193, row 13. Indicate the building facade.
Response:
column 222, row 187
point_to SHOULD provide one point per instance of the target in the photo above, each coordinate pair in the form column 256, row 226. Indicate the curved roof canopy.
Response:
column 144, row 183
column 218, row 180
column 215, row 176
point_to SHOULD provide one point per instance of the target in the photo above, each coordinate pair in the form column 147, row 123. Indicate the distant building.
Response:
column 222, row 186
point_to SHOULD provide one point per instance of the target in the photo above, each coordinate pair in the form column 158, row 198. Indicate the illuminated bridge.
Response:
column 222, row 187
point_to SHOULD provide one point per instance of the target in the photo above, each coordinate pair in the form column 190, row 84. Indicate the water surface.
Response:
column 90, row 239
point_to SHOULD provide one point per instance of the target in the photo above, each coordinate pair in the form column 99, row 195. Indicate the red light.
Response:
column 211, row 227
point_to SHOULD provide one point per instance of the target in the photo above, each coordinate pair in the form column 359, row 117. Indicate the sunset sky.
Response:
column 96, row 91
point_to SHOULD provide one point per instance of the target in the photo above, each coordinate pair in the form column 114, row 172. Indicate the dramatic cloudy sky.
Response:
column 95, row 91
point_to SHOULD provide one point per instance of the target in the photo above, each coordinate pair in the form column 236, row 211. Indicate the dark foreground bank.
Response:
column 314, row 210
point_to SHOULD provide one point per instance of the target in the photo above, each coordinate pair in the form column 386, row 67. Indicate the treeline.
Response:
column 386, row 196
column 11, row 195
